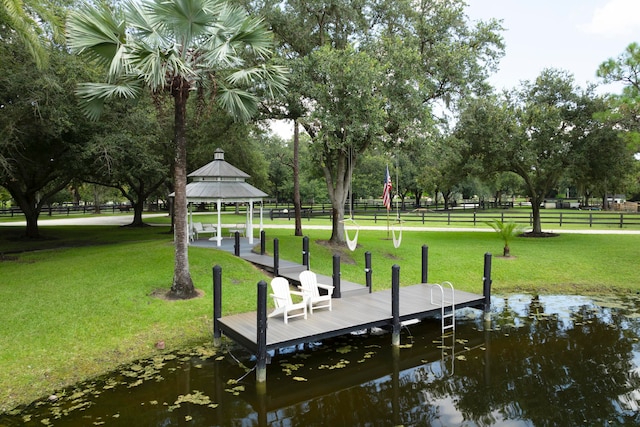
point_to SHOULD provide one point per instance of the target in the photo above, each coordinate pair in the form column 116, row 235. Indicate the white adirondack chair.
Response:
column 311, row 289
column 282, row 299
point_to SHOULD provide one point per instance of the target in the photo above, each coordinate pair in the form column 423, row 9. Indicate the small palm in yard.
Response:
column 507, row 231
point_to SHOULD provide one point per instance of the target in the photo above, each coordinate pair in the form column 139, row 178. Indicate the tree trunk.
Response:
column 297, row 205
column 96, row 200
column 338, row 196
column 31, row 210
column 535, row 209
column 446, row 196
column 138, row 208
column 182, row 286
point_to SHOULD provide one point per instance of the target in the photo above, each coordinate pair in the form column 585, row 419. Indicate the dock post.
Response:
column 336, row 276
column 305, row 251
column 263, row 242
column 217, row 304
column 236, row 246
column 276, row 256
column 261, row 363
column 486, row 287
column 367, row 270
column 425, row 263
column 395, row 304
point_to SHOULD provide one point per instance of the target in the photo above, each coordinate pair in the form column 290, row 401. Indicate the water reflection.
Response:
column 544, row 361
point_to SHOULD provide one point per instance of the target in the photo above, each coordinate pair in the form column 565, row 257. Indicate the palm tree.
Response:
column 176, row 47
column 507, row 231
column 34, row 22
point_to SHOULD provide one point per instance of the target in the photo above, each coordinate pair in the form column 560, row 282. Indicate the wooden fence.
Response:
column 550, row 217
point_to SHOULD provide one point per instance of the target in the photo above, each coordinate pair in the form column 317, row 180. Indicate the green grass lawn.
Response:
column 79, row 303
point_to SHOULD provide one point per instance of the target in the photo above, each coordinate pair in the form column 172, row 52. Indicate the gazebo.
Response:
column 220, row 182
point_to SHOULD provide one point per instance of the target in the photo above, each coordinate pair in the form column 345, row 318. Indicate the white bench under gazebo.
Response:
column 220, row 182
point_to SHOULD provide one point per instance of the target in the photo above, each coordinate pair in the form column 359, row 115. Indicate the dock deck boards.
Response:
column 348, row 315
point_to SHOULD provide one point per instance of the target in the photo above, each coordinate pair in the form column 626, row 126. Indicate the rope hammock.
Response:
column 351, row 244
column 398, row 240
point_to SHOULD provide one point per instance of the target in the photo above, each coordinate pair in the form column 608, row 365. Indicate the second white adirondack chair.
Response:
column 310, row 288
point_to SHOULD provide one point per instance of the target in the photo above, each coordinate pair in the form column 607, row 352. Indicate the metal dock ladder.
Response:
column 447, row 307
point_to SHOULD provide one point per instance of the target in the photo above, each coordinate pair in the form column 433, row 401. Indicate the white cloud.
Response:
column 615, row 18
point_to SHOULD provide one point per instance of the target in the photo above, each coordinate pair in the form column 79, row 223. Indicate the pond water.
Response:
column 547, row 361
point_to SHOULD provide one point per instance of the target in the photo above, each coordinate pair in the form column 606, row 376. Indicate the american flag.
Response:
column 386, row 193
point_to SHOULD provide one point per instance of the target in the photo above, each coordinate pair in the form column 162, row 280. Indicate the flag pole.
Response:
column 388, row 225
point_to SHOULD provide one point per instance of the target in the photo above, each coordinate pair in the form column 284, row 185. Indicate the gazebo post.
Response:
column 219, row 229
column 249, row 225
column 261, row 223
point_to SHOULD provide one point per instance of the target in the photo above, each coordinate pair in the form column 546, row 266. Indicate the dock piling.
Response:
column 486, row 287
column 217, row 304
column 367, row 270
column 305, row 251
column 261, row 362
column 395, row 304
column 276, row 257
column 336, row 276
column 425, row 263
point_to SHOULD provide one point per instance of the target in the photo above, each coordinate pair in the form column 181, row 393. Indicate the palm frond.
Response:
column 255, row 37
column 98, row 33
column 506, row 230
column 272, row 77
column 239, row 103
column 26, row 28
column 93, row 95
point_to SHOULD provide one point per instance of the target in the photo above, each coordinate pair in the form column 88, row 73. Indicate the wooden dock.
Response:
column 358, row 310
column 348, row 315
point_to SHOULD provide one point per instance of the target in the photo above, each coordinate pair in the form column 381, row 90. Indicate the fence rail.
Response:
column 68, row 210
column 452, row 217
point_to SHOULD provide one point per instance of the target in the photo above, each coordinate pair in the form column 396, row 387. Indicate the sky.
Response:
column 572, row 35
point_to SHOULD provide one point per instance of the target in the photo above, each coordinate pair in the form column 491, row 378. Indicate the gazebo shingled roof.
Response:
column 221, row 180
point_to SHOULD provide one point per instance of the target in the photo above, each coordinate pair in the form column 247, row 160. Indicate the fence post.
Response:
column 263, row 242
column 236, row 245
column 621, row 220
